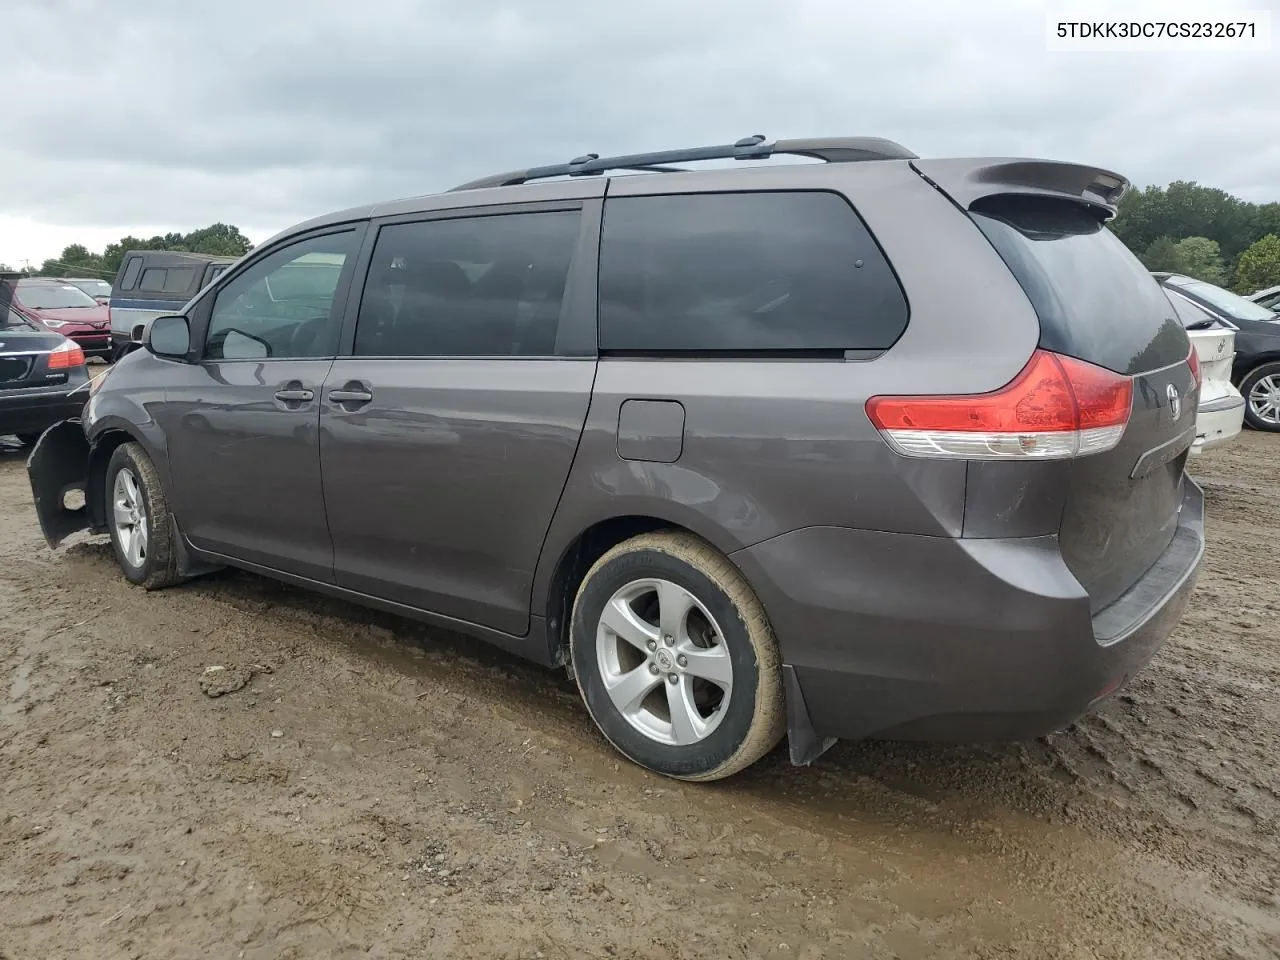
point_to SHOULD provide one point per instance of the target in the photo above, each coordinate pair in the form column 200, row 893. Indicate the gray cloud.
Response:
column 263, row 113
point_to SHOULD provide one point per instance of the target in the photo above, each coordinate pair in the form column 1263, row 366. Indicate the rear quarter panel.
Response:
column 771, row 446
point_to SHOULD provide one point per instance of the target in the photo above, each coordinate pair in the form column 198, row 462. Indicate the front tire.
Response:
column 1261, row 390
column 675, row 658
column 138, row 519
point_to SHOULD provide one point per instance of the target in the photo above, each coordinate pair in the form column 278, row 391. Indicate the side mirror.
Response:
column 168, row 337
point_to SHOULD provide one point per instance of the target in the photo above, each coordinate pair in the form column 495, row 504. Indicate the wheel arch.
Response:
column 106, row 439
column 577, row 557
column 1242, row 370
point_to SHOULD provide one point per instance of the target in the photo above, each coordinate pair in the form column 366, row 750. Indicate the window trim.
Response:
column 847, row 354
column 576, row 332
column 201, row 309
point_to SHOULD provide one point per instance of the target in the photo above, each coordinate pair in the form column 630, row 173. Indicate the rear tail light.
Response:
column 1056, row 408
column 1193, row 361
column 65, row 356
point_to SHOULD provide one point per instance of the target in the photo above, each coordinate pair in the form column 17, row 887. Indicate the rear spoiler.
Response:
column 968, row 181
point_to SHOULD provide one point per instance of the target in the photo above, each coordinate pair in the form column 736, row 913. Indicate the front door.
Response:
column 243, row 429
column 447, row 436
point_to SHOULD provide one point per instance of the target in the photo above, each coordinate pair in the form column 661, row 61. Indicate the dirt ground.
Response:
column 377, row 789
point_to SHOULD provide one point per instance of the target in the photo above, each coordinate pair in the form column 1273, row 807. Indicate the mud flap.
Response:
column 803, row 742
column 59, row 464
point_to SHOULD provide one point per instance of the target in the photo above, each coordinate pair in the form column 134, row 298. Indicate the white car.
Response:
column 1220, row 415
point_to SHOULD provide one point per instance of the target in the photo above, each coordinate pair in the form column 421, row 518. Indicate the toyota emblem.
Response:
column 1175, row 401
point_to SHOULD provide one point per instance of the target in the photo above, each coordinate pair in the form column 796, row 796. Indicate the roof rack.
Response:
column 832, row 150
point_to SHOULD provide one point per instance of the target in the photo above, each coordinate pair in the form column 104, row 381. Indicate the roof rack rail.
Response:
column 832, row 150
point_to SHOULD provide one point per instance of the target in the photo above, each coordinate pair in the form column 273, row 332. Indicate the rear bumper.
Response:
column 95, row 343
column 911, row 637
column 1218, row 422
column 34, row 409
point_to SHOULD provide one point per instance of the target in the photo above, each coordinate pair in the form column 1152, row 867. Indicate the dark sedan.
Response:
column 39, row 370
column 1256, row 370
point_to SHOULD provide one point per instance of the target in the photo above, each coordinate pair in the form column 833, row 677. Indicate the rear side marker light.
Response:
column 65, row 356
column 1058, row 407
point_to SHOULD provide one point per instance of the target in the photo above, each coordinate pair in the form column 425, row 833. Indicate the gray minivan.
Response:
column 876, row 446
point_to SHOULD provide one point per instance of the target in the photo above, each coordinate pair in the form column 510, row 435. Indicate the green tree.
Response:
column 217, row 239
column 1162, row 255
column 1259, row 266
column 1186, row 209
column 1201, row 258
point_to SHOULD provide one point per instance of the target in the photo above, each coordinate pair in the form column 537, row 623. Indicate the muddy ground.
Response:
column 376, row 789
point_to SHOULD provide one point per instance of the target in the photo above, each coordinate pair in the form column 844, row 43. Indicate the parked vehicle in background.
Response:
column 1256, row 368
column 67, row 310
column 100, row 290
column 1220, row 409
column 1269, row 298
column 151, row 283
column 681, row 432
column 38, row 369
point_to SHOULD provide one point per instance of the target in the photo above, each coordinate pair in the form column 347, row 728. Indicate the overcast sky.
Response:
column 146, row 116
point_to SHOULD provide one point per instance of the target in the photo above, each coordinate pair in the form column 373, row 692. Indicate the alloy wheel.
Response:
column 129, row 515
column 664, row 661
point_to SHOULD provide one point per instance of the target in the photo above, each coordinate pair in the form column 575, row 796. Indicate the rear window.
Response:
column 744, row 272
column 1095, row 299
column 1192, row 317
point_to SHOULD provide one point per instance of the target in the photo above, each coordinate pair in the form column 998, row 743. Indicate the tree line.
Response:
column 1204, row 233
column 218, row 239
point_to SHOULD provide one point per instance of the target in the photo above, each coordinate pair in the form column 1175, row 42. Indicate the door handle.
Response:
column 352, row 393
column 295, row 396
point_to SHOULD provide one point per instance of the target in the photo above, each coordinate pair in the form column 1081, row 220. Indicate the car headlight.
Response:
column 54, row 324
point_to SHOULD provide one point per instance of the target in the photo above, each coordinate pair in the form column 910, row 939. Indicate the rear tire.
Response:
column 1261, row 390
column 138, row 519
column 690, row 684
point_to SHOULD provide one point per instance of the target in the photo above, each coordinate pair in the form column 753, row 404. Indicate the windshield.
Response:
column 53, row 296
column 95, row 288
column 1235, row 307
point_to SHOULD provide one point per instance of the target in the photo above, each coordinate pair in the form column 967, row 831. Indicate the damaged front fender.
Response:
column 58, row 466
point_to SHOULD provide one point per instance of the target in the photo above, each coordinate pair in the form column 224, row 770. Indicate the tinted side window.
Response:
column 177, row 280
column 481, row 286
column 153, row 279
column 131, row 271
column 742, row 272
column 260, row 313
